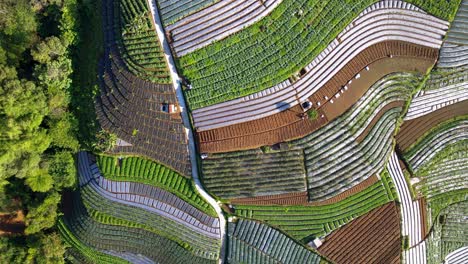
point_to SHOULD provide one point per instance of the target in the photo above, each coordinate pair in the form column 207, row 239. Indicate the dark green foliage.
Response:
column 37, row 130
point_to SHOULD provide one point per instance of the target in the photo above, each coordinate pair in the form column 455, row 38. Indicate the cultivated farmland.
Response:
column 140, row 48
column 371, row 238
column 254, row 242
column 131, row 108
column 255, row 58
column 304, row 223
column 449, row 232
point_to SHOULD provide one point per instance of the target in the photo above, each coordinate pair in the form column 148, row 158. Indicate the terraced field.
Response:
column 254, row 173
column 254, row 242
column 117, row 238
column 337, row 157
column 144, row 171
column 449, row 232
column 261, row 48
column 304, row 223
column 132, row 108
column 371, row 238
column 139, row 47
column 134, row 209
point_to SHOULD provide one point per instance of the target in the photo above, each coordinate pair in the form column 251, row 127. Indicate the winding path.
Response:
column 188, row 130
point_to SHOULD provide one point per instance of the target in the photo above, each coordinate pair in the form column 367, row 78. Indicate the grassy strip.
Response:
column 136, row 169
column 86, row 251
column 273, row 49
column 307, row 222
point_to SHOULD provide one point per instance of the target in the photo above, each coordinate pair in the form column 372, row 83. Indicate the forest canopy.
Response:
column 38, row 130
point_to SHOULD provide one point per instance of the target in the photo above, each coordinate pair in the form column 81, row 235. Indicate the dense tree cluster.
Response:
column 37, row 130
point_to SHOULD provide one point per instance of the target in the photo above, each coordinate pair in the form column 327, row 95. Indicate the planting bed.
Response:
column 254, row 173
column 172, row 11
column 140, row 48
column 139, row 170
column 449, row 232
column 108, row 237
column 131, row 108
column 254, row 242
column 149, row 208
column 216, row 22
column 334, row 160
column 413, row 129
column 304, row 223
column 288, row 124
column 301, row 198
column 255, row 58
column 371, row 238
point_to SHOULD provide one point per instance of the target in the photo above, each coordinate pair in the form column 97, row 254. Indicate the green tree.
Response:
column 63, row 170
column 22, row 107
column 39, row 180
column 48, row 50
column 44, row 215
column 17, row 28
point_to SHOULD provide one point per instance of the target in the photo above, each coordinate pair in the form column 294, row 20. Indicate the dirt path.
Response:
column 12, row 223
column 180, row 96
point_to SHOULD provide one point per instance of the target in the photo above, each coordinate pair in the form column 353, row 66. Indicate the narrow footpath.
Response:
column 188, row 129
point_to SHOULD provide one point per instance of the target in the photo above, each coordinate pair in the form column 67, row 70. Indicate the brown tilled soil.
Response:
column 301, row 198
column 298, row 198
column 391, row 105
column 12, row 223
column 413, row 129
column 288, row 125
column 371, row 238
column 423, row 209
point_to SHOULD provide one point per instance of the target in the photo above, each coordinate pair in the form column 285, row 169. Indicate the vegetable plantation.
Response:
column 273, row 49
column 253, row 242
column 140, row 47
column 136, row 169
column 172, row 11
column 119, row 238
column 449, row 232
column 254, row 173
column 305, row 223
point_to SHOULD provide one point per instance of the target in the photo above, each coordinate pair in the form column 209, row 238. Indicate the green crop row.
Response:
column 86, row 251
column 432, row 133
column 137, row 33
column 390, row 187
column 273, row 49
column 307, row 222
column 145, row 171
column 136, row 217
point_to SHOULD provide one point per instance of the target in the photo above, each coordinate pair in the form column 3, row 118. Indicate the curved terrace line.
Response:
column 288, row 125
column 216, row 22
column 90, row 175
column 376, row 24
